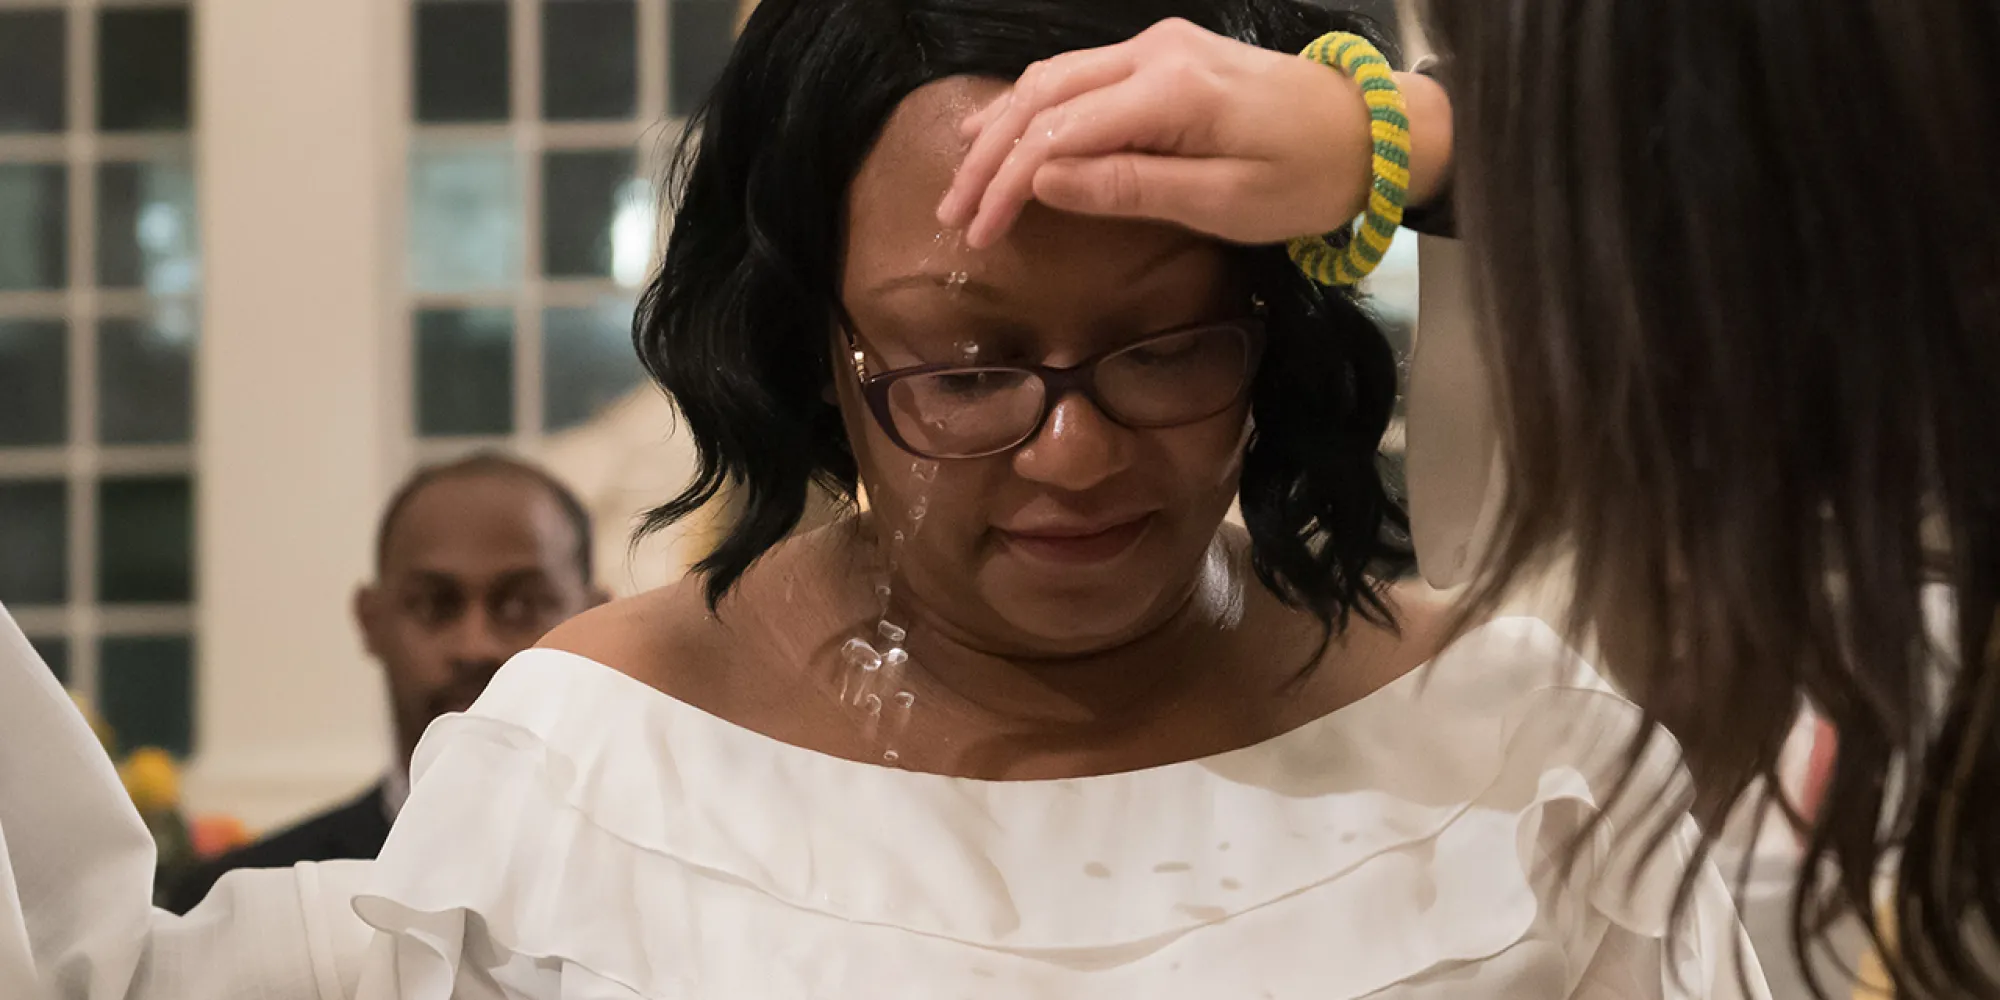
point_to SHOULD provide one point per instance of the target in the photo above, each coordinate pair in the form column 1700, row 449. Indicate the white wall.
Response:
column 297, row 391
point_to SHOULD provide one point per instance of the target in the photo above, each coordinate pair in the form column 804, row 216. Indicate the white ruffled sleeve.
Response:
column 1707, row 957
column 1627, row 967
column 76, row 881
column 1638, row 943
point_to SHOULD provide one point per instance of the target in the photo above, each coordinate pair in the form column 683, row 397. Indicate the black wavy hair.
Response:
column 736, row 327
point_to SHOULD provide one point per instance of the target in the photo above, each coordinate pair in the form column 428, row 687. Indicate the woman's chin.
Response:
column 1073, row 624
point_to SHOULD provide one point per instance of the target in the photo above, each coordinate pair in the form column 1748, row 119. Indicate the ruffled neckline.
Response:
column 1094, row 862
column 602, row 794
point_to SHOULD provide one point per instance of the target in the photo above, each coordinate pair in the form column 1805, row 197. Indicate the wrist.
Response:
column 1344, row 259
column 1341, row 171
column 1429, row 110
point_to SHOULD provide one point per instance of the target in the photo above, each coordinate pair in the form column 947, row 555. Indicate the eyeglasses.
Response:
column 1170, row 379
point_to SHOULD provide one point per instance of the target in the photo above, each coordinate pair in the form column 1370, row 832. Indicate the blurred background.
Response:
column 259, row 259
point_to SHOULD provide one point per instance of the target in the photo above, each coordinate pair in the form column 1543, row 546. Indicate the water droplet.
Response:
column 958, row 279
column 905, row 699
column 891, row 756
column 897, row 538
column 892, row 632
column 937, row 245
column 920, row 508
column 858, row 653
column 872, row 704
column 926, row 472
column 895, row 658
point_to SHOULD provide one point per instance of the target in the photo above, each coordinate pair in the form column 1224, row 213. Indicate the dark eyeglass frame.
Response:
column 1058, row 383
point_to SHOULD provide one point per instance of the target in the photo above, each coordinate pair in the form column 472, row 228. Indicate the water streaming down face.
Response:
column 875, row 668
column 874, row 680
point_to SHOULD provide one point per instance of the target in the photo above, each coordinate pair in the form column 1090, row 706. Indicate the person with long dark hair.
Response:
column 1735, row 270
column 1034, row 720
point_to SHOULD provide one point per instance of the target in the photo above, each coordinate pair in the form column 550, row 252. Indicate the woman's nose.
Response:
column 1077, row 448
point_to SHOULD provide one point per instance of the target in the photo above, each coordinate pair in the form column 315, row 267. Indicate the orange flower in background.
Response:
column 152, row 779
column 218, row 835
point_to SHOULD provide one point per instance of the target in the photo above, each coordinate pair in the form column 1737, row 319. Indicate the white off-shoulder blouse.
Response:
column 578, row 835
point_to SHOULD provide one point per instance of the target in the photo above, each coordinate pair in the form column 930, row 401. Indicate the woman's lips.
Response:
column 1080, row 545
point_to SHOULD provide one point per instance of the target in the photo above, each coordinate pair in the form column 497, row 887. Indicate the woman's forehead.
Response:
column 892, row 225
column 912, row 163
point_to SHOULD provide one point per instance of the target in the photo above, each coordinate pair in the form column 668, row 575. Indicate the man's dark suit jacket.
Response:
column 355, row 830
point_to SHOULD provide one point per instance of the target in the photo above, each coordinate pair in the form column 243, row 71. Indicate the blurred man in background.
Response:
column 475, row 560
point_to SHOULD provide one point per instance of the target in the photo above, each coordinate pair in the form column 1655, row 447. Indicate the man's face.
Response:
column 476, row 568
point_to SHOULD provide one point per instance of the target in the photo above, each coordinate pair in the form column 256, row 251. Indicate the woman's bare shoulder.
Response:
column 746, row 653
column 1373, row 654
column 642, row 636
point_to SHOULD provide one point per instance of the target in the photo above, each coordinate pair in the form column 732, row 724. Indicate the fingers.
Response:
column 1003, row 122
column 1141, row 113
column 1195, row 193
column 977, row 121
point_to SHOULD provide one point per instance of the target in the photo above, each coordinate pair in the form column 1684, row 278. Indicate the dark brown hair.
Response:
column 1739, row 266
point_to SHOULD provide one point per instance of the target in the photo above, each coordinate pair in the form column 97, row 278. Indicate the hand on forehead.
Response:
column 892, row 228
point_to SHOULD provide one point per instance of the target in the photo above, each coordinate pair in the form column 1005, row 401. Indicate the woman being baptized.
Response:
column 1035, row 721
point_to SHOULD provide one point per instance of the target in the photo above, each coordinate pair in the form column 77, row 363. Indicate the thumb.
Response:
column 1195, row 193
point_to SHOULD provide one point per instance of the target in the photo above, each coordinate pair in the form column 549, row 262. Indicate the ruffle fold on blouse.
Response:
column 580, row 835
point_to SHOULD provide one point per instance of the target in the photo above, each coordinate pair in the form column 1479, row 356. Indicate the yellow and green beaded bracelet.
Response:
column 1350, row 255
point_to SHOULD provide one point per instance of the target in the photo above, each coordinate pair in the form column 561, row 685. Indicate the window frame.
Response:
column 83, row 462
column 648, row 134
